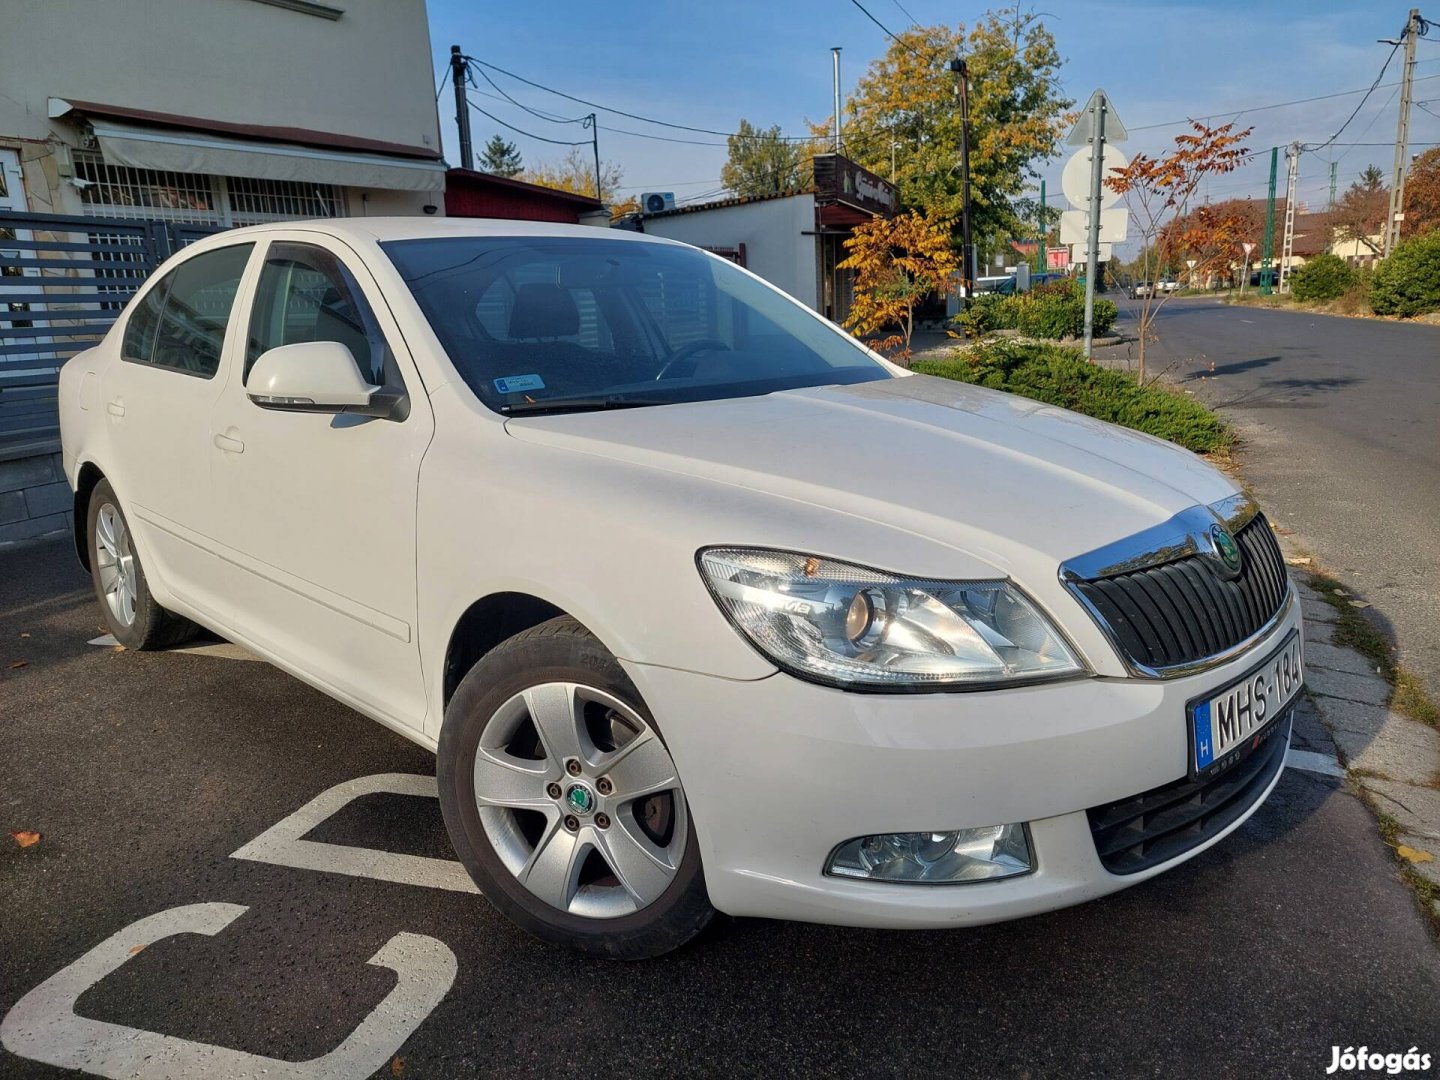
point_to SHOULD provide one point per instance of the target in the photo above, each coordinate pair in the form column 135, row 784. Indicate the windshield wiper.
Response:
column 579, row 404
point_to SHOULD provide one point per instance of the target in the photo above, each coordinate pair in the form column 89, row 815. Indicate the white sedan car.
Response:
column 702, row 605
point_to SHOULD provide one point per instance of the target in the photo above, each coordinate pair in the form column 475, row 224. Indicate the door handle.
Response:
column 229, row 445
column 115, row 407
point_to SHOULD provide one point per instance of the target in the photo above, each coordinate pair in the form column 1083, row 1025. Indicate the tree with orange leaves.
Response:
column 897, row 262
column 1158, row 191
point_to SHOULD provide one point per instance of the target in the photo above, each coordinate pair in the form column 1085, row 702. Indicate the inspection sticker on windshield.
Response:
column 518, row 384
column 1224, row 725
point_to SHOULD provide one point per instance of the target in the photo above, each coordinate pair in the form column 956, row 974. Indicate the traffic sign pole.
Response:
column 1098, row 108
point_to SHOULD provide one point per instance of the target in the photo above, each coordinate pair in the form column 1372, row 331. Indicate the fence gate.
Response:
column 63, row 281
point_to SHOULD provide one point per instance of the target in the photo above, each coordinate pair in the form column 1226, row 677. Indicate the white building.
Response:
column 129, row 127
column 220, row 112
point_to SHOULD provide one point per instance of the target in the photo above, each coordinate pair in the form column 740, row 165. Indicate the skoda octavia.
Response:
column 702, row 605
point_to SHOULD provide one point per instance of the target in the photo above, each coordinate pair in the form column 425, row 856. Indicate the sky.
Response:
column 707, row 65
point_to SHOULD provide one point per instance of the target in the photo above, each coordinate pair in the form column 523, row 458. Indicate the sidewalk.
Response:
column 1393, row 760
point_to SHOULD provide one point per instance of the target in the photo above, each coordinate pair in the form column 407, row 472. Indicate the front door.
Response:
column 320, row 509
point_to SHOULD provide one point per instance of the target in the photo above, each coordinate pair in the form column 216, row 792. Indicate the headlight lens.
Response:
column 852, row 626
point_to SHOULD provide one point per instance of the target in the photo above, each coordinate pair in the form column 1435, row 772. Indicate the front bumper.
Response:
column 778, row 772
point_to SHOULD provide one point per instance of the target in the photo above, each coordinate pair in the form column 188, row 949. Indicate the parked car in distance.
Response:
column 600, row 519
column 1010, row 285
column 1167, row 285
column 1141, row 290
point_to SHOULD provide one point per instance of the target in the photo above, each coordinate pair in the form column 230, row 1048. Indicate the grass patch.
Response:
column 1427, row 893
column 1061, row 376
column 1352, row 629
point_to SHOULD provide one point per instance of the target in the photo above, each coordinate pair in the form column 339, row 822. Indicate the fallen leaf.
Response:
column 1414, row 855
column 1359, row 603
column 397, row 1065
column 16, row 664
column 26, row 838
column 135, row 948
column 1300, row 560
column 1340, row 592
column 24, row 633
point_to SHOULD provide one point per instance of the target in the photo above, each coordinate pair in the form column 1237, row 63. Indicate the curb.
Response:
column 1394, row 761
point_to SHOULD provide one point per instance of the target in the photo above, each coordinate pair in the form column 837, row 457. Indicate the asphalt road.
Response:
column 143, row 773
column 1341, row 419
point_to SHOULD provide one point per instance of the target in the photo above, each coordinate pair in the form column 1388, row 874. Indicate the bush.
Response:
column 1325, row 277
column 1054, row 310
column 989, row 312
column 1061, row 376
column 1407, row 282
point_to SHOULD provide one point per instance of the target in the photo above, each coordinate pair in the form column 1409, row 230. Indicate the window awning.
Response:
column 173, row 149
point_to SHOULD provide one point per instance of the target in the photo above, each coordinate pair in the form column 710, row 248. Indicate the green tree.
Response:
column 575, row 173
column 501, row 158
column 904, row 109
column 761, row 162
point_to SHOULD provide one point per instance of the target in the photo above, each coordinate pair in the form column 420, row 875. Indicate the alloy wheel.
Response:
column 580, row 800
column 116, row 561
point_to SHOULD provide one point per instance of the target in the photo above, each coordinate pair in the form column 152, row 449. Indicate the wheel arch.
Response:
column 86, row 478
column 485, row 624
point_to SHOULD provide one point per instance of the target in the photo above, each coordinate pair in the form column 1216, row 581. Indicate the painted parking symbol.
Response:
column 282, row 843
column 43, row 1025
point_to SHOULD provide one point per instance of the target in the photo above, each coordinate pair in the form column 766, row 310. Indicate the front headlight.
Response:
column 851, row 626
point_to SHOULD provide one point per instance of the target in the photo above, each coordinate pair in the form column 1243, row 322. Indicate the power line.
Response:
column 622, row 112
column 903, row 11
column 522, row 131
column 521, row 105
column 1383, row 68
column 886, row 30
column 1275, row 105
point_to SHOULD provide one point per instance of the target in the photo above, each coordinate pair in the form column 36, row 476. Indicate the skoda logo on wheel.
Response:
column 579, row 799
column 1226, row 550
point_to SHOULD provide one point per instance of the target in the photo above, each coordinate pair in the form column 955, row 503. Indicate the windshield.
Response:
column 605, row 322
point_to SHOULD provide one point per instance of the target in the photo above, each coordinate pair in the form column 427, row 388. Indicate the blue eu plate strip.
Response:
column 1204, row 744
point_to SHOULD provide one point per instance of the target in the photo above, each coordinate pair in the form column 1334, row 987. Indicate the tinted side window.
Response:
column 306, row 294
column 144, row 320
column 197, row 310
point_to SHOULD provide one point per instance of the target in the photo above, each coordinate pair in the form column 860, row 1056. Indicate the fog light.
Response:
column 935, row 858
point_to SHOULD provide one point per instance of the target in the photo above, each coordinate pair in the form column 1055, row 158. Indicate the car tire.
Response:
column 514, row 787
column 131, row 612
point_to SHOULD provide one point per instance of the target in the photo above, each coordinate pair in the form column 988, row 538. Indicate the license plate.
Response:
column 1225, row 726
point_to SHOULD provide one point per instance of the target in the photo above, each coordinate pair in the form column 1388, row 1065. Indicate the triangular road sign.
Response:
column 1114, row 129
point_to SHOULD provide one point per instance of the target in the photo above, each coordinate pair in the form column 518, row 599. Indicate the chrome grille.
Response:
column 1178, row 608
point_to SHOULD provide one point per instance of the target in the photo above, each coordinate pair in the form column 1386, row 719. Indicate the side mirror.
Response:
column 317, row 377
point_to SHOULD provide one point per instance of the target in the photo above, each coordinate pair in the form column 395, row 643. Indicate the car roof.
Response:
column 381, row 229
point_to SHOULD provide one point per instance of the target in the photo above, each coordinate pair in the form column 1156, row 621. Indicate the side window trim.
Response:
column 163, row 288
column 393, row 388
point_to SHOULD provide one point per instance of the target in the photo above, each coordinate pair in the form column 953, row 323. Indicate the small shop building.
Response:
column 793, row 239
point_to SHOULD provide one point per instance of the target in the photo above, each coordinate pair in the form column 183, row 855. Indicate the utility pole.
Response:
column 962, row 91
column 835, row 56
column 1402, row 133
column 459, row 69
column 1333, row 165
column 1099, row 105
column 1267, row 253
column 1287, row 247
column 1040, row 256
column 593, row 124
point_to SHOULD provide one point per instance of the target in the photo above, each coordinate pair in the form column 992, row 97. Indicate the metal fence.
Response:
column 63, row 281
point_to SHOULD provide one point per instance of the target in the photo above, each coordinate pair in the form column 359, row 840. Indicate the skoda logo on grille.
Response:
column 1226, row 550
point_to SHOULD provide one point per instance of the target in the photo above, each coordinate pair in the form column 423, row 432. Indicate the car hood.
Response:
column 1007, row 480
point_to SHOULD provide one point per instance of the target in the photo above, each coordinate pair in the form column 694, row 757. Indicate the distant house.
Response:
column 470, row 193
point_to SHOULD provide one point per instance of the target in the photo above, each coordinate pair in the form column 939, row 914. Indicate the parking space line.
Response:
column 1309, row 761
column 281, row 844
column 43, row 1026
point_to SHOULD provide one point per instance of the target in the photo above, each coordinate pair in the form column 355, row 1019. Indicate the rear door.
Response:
column 319, row 510
column 175, row 351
